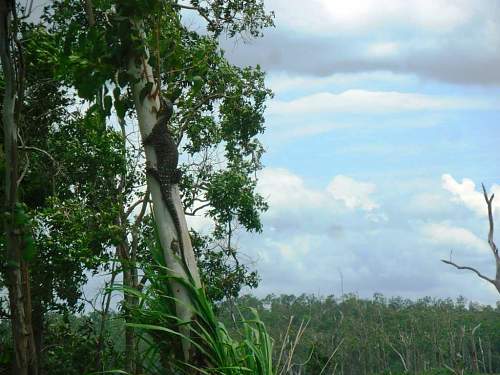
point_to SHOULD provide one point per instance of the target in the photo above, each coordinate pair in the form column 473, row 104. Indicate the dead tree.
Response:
column 493, row 247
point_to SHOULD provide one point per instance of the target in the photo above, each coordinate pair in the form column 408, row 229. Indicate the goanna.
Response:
column 167, row 158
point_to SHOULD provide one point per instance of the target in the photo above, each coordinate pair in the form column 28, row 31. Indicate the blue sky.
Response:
column 384, row 123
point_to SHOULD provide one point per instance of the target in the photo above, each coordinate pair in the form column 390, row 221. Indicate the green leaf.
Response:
column 120, row 108
column 116, row 93
column 108, row 103
column 29, row 250
column 123, row 79
column 197, row 84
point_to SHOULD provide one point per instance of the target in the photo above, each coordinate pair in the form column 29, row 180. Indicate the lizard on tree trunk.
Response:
column 167, row 158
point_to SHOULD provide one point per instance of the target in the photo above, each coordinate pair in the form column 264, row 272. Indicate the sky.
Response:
column 384, row 124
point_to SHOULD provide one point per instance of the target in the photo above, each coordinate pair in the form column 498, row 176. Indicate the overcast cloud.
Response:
column 445, row 40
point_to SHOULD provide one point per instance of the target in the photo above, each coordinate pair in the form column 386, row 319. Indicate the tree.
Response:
column 123, row 56
column 69, row 163
column 18, row 242
column 491, row 243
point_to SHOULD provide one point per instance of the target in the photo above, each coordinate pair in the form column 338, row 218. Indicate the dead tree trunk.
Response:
column 493, row 247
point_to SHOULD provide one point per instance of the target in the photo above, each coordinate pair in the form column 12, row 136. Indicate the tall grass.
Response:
column 214, row 351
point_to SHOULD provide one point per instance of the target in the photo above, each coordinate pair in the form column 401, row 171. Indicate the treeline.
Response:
column 353, row 336
column 312, row 335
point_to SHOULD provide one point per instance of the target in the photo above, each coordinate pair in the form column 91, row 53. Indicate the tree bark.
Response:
column 17, row 276
column 130, row 302
column 38, row 317
column 186, row 267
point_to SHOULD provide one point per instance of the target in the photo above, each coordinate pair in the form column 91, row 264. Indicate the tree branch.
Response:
column 142, row 283
column 492, row 244
column 139, row 217
column 193, row 212
column 199, row 10
column 470, row 269
column 41, row 151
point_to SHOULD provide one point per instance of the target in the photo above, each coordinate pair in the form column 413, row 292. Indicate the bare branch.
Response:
column 41, row 151
column 470, row 269
column 490, row 218
column 399, row 355
column 139, row 217
column 494, row 249
column 133, row 206
column 193, row 212
column 188, row 7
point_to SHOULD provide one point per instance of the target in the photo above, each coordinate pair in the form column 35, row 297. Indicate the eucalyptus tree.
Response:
column 68, row 163
column 17, row 241
column 125, row 55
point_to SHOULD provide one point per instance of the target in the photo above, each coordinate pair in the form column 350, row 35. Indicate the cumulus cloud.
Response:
column 354, row 194
column 283, row 189
column 467, row 194
column 445, row 234
column 356, row 101
column 312, row 233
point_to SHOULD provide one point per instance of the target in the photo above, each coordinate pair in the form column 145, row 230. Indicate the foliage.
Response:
column 69, row 164
column 434, row 324
column 219, row 107
column 217, row 352
column 71, row 346
column 429, row 333
column 221, row 271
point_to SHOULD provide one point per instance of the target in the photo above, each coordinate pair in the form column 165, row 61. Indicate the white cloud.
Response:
column 377, row 217
column 330, row 16
column 428, row 202
column 384, row 49
column 287, row 191
column 283, row 82
column 354, row 194
column 297, row 247
column 319, row 231
column 200, row 222
column 447, row 235
column 406, row 36
column 466, row 193
column 310, row 130
column 282, row 188
column 357, row 101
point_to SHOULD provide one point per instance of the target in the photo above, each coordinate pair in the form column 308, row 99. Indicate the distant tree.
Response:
column 494, row 249
column 354, row 336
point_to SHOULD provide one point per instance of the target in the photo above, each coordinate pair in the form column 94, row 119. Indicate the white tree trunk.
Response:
column 147, row 117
